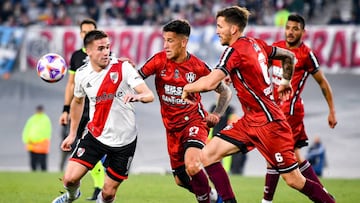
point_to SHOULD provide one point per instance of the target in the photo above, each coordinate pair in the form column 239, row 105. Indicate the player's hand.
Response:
column 131, row 98
column 285, row 92
column 188, row 96
column 332, row 120
column 64, row 118
column 212, row 119
column 128, row 60
column 67, row 142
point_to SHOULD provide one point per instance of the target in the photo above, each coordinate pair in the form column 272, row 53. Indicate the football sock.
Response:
column 100, row 199
column 200, row 185
column 307, row 170
column 98, row 175
column 220, row 179
column 271, row 181
column 73, row 191
column 315, row 192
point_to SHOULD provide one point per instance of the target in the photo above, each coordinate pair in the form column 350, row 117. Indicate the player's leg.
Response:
column 276, row 144
column 271, row 181
column 211, row 156
column 305, row 167
column 199, row 181
column 33, row 161
column 311, row 189
column 117, row 163
column 71, row 180
column 108, row 192
column 98, row 176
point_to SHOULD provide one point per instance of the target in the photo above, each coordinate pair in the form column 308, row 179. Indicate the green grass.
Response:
column 26, row 187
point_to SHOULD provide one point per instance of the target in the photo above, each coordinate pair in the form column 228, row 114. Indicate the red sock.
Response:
column 200, row 186
column 271, row 181
column 220, row 178
column 307, row 170
column 315, row 192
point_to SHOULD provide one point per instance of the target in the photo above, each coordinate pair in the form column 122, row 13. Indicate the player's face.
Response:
column 99, row 52
column 223, row 30
column 293, row 33
column 174, row 45
column 85, row 28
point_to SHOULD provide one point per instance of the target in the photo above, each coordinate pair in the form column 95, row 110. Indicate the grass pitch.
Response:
column 28, row 187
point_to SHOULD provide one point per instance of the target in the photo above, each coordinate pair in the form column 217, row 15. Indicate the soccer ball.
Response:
column 51, row 67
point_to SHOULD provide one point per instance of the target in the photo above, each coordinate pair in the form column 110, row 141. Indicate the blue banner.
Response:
column 10, row 43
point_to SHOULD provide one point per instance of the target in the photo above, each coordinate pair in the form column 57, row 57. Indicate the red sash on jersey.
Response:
column 104, row 99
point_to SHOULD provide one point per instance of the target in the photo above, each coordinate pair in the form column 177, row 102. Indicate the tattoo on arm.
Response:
column 288, row 62
column 223, row 99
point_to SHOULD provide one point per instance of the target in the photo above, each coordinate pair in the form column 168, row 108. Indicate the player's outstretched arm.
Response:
column 144, row 94
column 77, row 106
column 328, row 95
column 69, row 94
column 203, row 84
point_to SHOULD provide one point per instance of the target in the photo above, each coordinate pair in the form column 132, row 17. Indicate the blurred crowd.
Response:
column 156, row 12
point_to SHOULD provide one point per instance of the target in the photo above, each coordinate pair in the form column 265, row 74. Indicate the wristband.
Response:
column 66, row 108
column 284, row 81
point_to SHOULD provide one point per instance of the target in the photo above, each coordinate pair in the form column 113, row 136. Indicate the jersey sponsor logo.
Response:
column 190, row 77
column 114, row 76
column 80, row 152
column 88, row 85
column 106, row 96
column 172, row 95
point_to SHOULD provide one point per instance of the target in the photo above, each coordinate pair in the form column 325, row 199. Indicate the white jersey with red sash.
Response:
column 112, row 122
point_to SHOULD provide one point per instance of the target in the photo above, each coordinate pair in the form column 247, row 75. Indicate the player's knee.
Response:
column 193, row 168
column 108, row 193
column 70, row 180
column 294, row 180
column 178, row 181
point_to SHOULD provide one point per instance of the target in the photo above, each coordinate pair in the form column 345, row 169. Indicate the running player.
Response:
column 111, row 86
column 186, row 127
column 306, row 64
column 263, row 125
column 79, row 58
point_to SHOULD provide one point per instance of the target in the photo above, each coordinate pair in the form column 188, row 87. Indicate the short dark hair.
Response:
column 88, row 21
column 39, row 107
column 297, row 18
column 179, row 26
column 94, row 35
column 235, row 15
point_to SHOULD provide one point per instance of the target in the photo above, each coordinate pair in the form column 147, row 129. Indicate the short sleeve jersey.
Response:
column 112, row 122
column 246, row 61
column 170, row 79
column 78, row 58
column 306, row 63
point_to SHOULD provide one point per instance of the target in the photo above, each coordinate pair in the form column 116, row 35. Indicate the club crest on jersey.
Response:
column 190, row 77
column 176, row 74
column 114, row 76
column 80, row 152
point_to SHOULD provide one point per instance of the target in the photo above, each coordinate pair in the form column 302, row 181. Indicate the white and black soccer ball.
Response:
column 51, row 67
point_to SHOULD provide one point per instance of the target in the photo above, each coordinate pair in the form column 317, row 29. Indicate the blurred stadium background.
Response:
column 31, row 28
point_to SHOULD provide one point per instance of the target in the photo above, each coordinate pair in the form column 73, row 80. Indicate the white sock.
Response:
column 213, row 194
column 101, row 200
column 265, row 201
column 73, row 191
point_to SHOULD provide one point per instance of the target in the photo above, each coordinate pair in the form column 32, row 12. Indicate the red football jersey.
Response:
column 170, row 79
column 306, row 63
column 247, row 63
